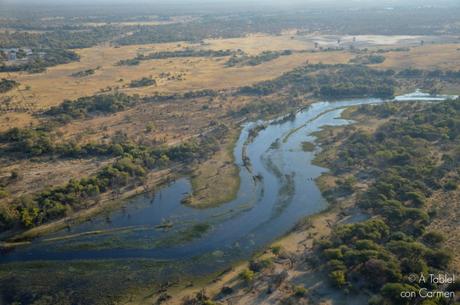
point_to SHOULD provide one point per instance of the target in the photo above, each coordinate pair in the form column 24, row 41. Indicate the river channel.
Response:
column 277, row 190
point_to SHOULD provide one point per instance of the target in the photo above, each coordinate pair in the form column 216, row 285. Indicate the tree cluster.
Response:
column 379, row 254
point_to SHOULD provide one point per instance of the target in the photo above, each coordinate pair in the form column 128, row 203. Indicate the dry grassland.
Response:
column 445, row 56
column 56, row 84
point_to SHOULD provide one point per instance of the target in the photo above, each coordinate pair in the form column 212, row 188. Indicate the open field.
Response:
column 435, row 56
column 55, row 85
column 42, row 90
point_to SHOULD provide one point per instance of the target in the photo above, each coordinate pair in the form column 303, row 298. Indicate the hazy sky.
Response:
column 270, row 2
column 14, row 7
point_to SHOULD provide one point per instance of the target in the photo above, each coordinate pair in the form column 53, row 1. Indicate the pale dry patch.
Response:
column 157, row 123
column 35, row 176
column 256, row 43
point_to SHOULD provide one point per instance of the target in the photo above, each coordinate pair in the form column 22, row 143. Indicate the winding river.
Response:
column 277, row 190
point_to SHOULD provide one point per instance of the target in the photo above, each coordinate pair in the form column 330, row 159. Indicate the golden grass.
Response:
column 436, row 56
column 56, row 84
column 15, row 119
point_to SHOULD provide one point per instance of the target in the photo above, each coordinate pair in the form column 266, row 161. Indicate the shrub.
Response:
column 433, row 238
column 338, row 278
column 247, row 275
column 276, row 250
column 392, row 292
column 300, row 291
column 260, row 265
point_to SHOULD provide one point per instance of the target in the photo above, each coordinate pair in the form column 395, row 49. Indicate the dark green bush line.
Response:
column 371, row 59
column 51, row 57
column 85, row 73
column 174, row 54
column 186, row 53
column 91, row 105
column 7, row 85
column 28, row 143
column 448, row 75
column 246, row 60
column 158, row 98
column 344, row 81
column 103, row 104
column 143, row 82
column 130, row 168
column 378, row 255
column 330, row 81
column 128, row 62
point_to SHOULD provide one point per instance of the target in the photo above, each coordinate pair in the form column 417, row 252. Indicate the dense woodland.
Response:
column 330, row 81
column 61, row 39
column 410, row 158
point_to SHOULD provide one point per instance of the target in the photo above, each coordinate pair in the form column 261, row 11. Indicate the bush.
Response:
column 260, row 265
column 338, row 278
column 7, row 85
column 392, row 292
column 433, row 238
column 300, row 291
column 247, row 275
column 276, row 250
column 143, row 82
column 333, row 254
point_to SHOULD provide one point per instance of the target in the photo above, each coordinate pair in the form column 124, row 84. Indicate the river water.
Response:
column 277, row 190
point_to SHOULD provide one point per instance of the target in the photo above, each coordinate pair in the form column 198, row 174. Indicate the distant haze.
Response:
column 243, row 2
